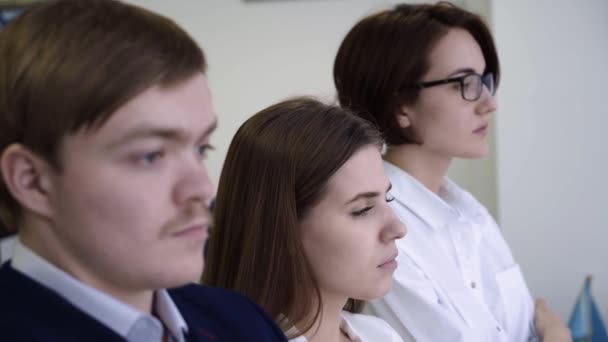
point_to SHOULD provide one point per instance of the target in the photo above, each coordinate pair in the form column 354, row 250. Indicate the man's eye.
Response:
column 152, row 157
column 203, row 149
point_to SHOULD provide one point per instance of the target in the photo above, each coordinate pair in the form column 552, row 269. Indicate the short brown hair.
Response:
column 385, row 54
column 277, row 168
column 68, row 65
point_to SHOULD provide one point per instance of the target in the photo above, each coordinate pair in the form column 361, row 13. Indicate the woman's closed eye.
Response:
column 362, row 212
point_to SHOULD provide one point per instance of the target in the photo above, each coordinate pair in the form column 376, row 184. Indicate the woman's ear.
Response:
column 404, row 116
column 28, row 178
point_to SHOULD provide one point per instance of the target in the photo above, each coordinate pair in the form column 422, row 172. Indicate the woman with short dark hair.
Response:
column 426, row 75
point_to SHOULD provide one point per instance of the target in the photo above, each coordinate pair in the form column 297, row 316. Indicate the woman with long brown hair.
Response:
column 302, row 221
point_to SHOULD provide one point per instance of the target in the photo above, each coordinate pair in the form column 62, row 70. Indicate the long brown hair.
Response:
column 68, row 65
column 276, row 170
column 386, row 53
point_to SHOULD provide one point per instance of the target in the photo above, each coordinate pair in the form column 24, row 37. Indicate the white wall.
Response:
column 550, row 124
column 551, row 140
column 260, row 53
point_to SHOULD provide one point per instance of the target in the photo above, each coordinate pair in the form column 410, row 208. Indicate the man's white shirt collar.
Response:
column 126, row 321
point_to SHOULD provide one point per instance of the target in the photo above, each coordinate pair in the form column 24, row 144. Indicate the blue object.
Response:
column 586, row 322
column 8, row 14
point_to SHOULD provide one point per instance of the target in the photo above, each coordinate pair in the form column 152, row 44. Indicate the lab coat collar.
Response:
column 437, row 210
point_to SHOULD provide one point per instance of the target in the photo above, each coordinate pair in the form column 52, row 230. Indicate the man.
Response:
column 105, row 121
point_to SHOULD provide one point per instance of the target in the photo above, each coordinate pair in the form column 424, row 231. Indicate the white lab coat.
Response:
column 363, row 328
column 430, row 300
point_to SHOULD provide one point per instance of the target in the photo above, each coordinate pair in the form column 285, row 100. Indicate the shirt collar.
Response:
column 348, row 329
column 7, row 245
column 170, row 315
column 344, row 327
column 111, row 312
column 450, row 203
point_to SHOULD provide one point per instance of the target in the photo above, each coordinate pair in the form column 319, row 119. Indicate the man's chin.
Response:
column 183, row 274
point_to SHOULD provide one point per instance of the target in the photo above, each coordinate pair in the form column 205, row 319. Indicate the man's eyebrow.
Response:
column 212, row 127
column 151, row 131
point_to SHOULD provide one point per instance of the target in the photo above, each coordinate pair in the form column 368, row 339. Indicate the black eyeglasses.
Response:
column 471, row 85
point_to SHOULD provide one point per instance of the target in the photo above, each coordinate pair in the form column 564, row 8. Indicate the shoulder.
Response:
column 213, row 299
column 32, row 312
column 474, row 210
column 462, row 197
column 16, row 292
column 208, row 296
column 228, row 311
column 12, row 317
column 370, row 328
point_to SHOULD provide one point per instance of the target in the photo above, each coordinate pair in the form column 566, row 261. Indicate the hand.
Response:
column 549, row 326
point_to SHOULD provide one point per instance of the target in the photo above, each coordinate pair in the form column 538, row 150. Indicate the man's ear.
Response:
column 404, row 116
column 28, row 178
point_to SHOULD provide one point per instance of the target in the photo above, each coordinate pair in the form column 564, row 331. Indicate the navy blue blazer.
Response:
column 31, row 312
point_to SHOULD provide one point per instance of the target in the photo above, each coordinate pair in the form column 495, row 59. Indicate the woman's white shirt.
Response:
column 456, row 279
column 363, row 328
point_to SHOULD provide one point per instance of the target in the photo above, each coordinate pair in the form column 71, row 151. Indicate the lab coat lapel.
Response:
column 441, row 269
